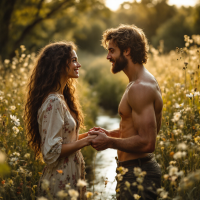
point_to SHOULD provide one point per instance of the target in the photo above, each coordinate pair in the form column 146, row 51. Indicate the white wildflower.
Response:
column 139, row 179
column 164, row 194
column 23, row 55
column 172, row 162
column 180, row 173
column 15, row 120
column 12, row 107
column 29, row 174
column 159, row 190
column 182, row 146
column 67, row 186
column 23, row 48
column 140, row 187
column 73, row 193
column 15, row 129
column 137, row 171
column 45, row 184
column 177, row 116
column 27, row 155
column 42, row 198
column 177, row 155
column 161, row 143
column 189, row 95
column 61, row 194
column 127, row 184
column 173, row 171
column 81, row 183
column 14, row 159
column 136, row 196
column 6, row 61
column 16, row 154
column 176, row 105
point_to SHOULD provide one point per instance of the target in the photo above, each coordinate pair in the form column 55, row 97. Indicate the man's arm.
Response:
column 140, row 99
column 111, row 133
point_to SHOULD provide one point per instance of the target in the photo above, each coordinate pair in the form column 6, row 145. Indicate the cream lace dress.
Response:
column 57, row 127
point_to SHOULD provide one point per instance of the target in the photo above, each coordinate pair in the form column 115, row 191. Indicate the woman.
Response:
column 53, row 117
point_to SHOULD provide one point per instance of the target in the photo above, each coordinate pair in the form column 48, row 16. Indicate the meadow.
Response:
column 178, row 143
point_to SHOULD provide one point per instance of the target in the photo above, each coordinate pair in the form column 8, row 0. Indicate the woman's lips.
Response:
column 77, row 71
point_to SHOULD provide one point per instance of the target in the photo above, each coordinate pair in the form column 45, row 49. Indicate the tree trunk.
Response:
column 6, row 10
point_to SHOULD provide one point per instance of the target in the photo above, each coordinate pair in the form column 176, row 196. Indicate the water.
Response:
column 105, row 163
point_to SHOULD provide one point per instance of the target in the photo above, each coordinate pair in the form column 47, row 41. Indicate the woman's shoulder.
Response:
column 51, row 98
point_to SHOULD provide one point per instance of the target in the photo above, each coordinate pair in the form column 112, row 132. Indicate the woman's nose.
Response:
column 79, row 64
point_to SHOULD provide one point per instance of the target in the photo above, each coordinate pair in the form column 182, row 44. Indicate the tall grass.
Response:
column 178, row 143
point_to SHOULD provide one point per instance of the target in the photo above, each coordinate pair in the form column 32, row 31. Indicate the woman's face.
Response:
column 74, row 65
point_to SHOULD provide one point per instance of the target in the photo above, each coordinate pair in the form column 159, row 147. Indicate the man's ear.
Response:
column 127, row 51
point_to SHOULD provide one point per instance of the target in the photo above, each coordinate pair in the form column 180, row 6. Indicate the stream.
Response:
column 105, row 162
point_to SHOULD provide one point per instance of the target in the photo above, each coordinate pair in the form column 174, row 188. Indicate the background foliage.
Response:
column 35, row 23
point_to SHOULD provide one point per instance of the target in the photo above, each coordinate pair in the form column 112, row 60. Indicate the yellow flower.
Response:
column 11, row 182
column 127, row 184
column 60, row 171
column 136, row 196
column 171, row 153
column 20, row 128
column 169, row 103
column 118, row 190
column 89, row 194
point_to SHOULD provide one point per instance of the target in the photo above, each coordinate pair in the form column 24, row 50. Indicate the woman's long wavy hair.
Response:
column 45, row 78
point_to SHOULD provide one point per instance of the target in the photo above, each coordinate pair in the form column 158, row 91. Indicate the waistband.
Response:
column 138, row 161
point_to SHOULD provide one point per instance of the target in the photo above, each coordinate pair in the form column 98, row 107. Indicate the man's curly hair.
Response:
column 128, row 36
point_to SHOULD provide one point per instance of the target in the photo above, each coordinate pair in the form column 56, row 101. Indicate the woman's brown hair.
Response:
column 45, row 77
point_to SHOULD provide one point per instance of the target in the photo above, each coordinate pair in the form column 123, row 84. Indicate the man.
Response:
column 140, row 110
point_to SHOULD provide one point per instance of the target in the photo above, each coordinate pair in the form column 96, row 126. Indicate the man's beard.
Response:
column 119, row 64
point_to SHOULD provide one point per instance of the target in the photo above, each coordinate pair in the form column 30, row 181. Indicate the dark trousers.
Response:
column 151, row 181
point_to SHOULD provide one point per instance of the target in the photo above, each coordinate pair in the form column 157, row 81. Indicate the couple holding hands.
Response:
column 53, row 115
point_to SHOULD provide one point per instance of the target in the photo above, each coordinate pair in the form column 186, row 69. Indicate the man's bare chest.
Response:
column 124, row 107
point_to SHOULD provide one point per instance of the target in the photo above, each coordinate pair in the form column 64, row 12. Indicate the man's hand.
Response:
column 101, row 142
column 100, row 130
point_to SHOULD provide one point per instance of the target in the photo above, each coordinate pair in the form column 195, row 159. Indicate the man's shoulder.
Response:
column 140, row 94
column 142, row 89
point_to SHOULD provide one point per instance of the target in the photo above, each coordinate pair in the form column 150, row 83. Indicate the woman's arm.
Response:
column 83, row 135
column 70, row 148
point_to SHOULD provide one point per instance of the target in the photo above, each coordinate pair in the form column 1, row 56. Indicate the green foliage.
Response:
column 108, row 87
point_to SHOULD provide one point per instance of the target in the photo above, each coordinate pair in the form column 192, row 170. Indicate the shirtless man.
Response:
column 140, row 110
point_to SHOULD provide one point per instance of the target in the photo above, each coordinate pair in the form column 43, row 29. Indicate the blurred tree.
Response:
column 174, row 29
column 148, row 15
column 35, row 22
column 197, row 19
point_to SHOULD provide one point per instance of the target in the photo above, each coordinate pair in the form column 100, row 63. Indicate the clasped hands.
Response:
column 101, row 140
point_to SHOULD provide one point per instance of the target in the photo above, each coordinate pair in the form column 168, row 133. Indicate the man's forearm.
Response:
column 114, row 133
column 134, row 144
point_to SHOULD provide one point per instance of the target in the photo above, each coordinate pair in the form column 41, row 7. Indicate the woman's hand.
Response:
column 89, row 139
column 100, row 130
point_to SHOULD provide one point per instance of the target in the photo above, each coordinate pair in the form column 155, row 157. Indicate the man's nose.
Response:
column 108, row 56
